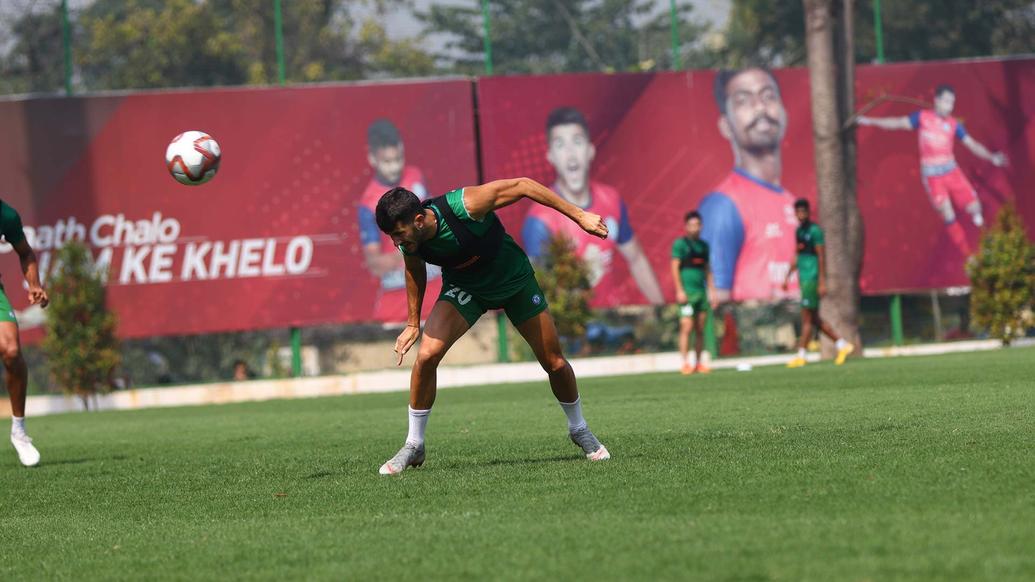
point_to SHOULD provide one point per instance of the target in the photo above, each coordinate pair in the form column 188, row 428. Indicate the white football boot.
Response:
column 27, row 453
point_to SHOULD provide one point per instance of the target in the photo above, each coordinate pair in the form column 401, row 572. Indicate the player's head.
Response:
column 401, row 215
column 692, row 223
column 944, row 99
column 569, row 148
column 385, row 151
column 751, row 112
column 802, row 210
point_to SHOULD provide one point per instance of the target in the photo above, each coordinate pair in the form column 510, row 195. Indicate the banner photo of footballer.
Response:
column 387, row 156
column 570, row 151
column 276, row 239
column 737, row 146
column 655, row 146
column 925, row 199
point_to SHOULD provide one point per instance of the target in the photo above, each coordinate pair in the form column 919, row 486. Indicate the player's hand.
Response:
column 593, row 224
column 999, row 159
column 681, row 297
column 405, row 341
column 822, row 289
column 37, row 296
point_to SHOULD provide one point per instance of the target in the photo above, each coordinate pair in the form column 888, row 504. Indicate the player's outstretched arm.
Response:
column 678, row 282
column 886, row 122
column 997, row 159
column 790, row 272
column 481, row 200
column 31, row 270
column 416, row 283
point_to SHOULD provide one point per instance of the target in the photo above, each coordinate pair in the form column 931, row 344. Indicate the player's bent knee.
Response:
column 10, row 353
column 430, row 358
column 554, row 363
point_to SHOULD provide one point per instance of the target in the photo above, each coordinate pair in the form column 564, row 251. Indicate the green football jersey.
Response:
column 693, row 269
column 808, row 237
column 502, row 278
column 11, row 224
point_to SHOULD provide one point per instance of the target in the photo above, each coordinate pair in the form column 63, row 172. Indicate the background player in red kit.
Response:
column 748, row 217
column 387, row 157
column 571, row 153
column 946, row 185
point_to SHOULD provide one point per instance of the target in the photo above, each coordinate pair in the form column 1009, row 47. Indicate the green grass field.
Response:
column 919, row 468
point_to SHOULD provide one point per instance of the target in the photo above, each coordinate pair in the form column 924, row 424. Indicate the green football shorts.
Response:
column 810, row 294
column 527, row 303
column 696, row 303
column 6, row 311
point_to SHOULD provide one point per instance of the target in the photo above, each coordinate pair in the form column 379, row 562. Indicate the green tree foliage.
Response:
column 548, row 36
column 1002, row 276
column 768, row 32
column 34, row 63
column 773, row 31
column 564, row 277
column 136, row 44
column 81, row 346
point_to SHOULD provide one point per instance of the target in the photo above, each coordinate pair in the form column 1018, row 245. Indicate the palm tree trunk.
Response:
column 835, row 168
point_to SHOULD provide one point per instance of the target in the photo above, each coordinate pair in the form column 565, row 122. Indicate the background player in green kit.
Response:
column 482, row 268
column 692, row 278
column 812, row 271
column 10, row 346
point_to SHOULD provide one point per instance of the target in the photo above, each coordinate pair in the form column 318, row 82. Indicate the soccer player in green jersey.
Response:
column 482, row 268
column 10, row 346
column 692, row 278
column 812, row 274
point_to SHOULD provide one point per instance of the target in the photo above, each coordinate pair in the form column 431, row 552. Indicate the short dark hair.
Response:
column 382, row 134
column 565, row 116
column 723, row 78
column 944, row 88
column 801, row 203
column 692, row 214
column 395, row 206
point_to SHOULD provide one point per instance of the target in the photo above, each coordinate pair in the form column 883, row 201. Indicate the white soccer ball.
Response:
column 193, row 158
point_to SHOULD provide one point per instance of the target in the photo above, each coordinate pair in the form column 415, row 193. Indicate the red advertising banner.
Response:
column 281, row 237
column 285, row 236
column 643, row 149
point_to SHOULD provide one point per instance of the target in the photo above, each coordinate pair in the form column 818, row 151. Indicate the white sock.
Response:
column 418, row 422
column 17, row 425
column 979, row 220
column 573, row 410
column 801, row 353
column 840, row 343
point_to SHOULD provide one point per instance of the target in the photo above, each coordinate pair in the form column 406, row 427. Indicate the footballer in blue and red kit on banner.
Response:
column 748, row 217
column 570, row 151
column 925, row 201
column 947, row 187
column 386, row 154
